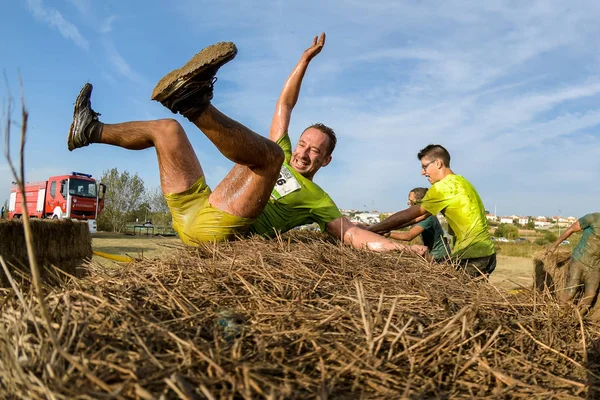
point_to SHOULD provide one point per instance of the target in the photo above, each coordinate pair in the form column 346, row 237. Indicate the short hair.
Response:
column 327, row 131
column 435, row 151
column 419, row 192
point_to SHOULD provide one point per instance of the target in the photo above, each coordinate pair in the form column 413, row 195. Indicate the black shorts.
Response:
column 478, row 266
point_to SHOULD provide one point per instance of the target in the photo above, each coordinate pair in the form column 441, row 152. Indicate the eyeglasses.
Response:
column 424, row 167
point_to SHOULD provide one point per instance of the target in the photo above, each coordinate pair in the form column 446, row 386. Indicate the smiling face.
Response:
column 311, row 153
column 432, row 169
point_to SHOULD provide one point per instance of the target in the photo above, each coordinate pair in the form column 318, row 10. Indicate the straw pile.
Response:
column 65, row 244
column 551, row 271
column 296, row 317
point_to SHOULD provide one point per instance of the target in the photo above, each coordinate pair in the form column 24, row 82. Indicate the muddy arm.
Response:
column 399, row 219
column 291, row 91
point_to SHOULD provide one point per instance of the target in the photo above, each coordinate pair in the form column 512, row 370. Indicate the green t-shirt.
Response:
column 587, row 250
column 433, row 237
column 294, row 201
column 458, row 200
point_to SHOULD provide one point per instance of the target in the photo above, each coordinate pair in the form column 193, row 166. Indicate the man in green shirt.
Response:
column 430, row 229
column 458, row 201
column 270, row 188
column 584, row 266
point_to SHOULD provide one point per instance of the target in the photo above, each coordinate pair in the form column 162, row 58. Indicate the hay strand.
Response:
column 297, row 318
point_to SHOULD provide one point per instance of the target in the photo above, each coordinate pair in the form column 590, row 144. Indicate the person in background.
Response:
column 430, row 229
column 584, row 266
column 459, row 202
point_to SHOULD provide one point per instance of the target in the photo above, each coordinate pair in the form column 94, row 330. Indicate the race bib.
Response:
column 286, row 184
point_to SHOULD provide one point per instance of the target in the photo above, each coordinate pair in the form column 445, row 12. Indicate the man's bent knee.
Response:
column 277, row 157
column 169, row 126
column 270, row 165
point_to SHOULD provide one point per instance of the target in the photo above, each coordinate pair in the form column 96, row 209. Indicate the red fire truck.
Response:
column 76, row 196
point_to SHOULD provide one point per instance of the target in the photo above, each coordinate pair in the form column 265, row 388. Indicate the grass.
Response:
column 138, row 247
column 525, row 249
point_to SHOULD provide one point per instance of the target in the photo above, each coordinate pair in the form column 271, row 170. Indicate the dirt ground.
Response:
column 510, row 273
column 132, row 246
column 513, row 272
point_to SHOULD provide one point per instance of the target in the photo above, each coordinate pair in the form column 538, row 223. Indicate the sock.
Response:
column 94, row 131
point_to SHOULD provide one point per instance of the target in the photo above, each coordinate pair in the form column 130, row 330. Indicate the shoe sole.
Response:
column 84, row 93
column 212, row 56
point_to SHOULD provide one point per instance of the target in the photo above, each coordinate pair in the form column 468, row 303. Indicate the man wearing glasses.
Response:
column 457, row 199
column 430, row 229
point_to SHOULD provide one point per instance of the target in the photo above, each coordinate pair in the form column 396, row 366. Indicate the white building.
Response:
column 366, row 218
column 523, row 220
column 491, row 217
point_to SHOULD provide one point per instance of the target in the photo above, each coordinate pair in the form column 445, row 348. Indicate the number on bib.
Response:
column 286, row 184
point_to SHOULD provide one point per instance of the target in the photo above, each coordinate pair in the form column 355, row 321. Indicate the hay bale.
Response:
column 64, row 244
column 551, row 275
column 550, row 271
column 295, row 317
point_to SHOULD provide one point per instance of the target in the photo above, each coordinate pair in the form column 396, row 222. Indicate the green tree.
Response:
column 530, row 223
column 141, row 214
column 124, row 195
column 550, row 237
column 160, row 213
column 508, row 231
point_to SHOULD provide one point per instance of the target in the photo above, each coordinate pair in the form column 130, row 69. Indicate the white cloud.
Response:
column 107, row 24
column 511, row 88
column 485, row 80
column 55, row 20
column 118, row 62
column 84, row 6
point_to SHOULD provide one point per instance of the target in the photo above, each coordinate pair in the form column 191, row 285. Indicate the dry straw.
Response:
column 296, row 317
column 550, row 270
column 65, row 244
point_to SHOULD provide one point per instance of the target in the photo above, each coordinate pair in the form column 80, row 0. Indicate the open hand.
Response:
column 420, row 250
column 317, row 46
column 549, row 250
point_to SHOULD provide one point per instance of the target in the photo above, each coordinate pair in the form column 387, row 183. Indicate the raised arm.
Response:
column 359, row 238
column 399, row 219
column 572, row 229
column 291, row 90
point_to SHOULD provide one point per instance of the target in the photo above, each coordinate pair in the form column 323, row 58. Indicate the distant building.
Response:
column 368, row 218
column 563, row 222
column 542, row 222
column 491, row 217
column 523, row 220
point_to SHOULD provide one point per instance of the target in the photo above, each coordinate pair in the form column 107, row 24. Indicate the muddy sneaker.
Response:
column 189, row 89
column 85, row 128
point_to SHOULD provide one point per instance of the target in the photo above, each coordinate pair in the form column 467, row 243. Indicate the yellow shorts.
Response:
column 196, row 220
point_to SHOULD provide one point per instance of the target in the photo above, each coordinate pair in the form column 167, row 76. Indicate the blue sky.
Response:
column 511, row 88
